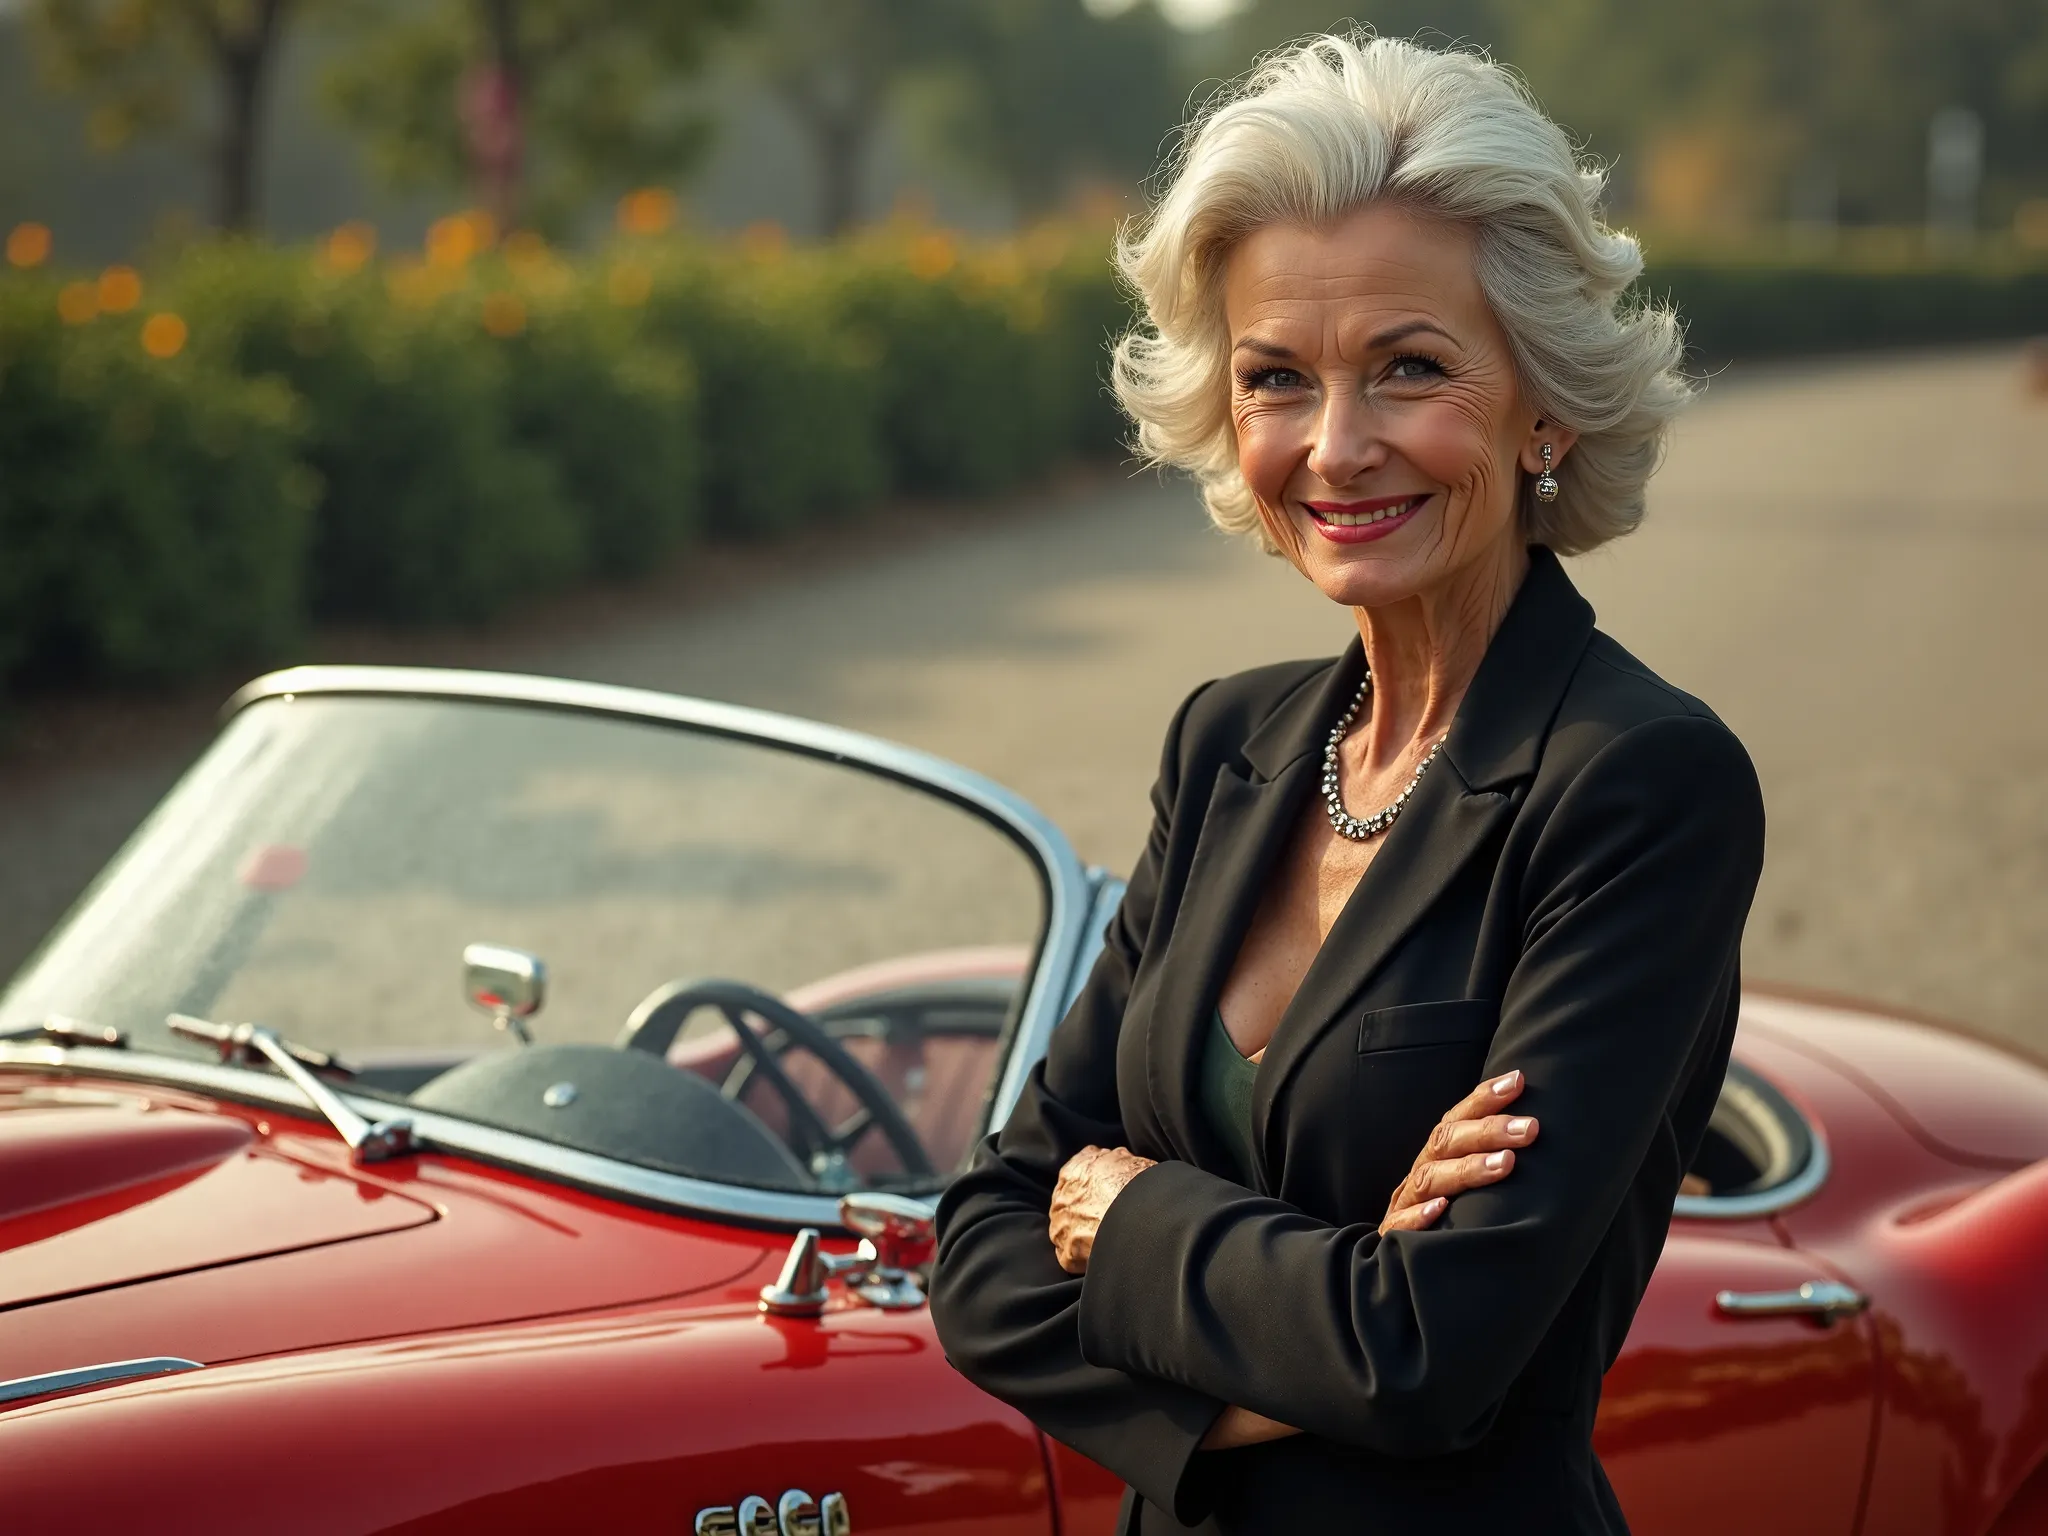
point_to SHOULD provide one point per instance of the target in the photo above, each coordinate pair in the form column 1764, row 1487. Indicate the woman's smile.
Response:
column 1360, row 522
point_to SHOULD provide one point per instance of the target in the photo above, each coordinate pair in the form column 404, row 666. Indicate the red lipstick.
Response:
column 1325, row 515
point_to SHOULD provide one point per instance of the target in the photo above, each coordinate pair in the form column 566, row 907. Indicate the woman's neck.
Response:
column 1424, row 650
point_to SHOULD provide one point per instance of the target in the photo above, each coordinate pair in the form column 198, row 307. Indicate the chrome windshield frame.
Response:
column 1069, row 907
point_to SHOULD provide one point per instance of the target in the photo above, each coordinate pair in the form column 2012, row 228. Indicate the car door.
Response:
column 1732, row 1407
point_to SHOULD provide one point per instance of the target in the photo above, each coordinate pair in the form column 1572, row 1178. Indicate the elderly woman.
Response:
column 1484, row 844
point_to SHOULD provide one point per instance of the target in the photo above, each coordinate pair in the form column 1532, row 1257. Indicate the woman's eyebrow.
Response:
column 1395, row 335
column 1263, row 348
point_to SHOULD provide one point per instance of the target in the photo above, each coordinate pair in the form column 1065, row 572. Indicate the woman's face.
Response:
column 1379, row 421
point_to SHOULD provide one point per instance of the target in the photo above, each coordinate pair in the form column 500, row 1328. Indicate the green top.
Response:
column 1227, row 1079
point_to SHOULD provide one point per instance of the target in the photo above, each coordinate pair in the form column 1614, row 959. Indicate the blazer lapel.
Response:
column 1246, row 826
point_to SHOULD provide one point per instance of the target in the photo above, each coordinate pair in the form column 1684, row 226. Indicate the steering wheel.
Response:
column 661, row 1015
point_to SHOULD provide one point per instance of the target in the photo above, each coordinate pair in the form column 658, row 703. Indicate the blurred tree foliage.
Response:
column 836, row 66
column 539, row 106
column 1037, row 97
column 1045, row 97
column 1723, row 113
column 137, row 61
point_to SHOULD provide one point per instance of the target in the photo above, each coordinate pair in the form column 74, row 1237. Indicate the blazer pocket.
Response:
column 1459, row 1021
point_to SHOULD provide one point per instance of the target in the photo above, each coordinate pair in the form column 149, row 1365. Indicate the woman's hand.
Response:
column 1473, row 1145
column 1092, row 1178
column 1240, row 1426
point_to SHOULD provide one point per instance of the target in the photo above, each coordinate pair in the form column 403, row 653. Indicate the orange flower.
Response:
column 350, row 247
column 932, row 255
column 120, row 290
column 647, row 211
column 164, row 335
column 452, row 241
column 504, row 314
column 78, row 302
column 28, row 245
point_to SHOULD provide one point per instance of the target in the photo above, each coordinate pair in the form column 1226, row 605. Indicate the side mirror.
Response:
column 508, row 984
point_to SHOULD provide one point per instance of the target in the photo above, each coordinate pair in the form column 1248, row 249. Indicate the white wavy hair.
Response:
column 1328, row 125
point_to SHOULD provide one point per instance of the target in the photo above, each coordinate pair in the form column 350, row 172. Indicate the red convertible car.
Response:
column 488, row 1104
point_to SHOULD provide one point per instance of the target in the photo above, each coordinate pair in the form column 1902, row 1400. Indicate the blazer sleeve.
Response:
column 1635, row 897
column 1006, row 1313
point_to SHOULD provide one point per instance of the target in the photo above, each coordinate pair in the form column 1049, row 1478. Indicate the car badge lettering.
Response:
column 794, row 1514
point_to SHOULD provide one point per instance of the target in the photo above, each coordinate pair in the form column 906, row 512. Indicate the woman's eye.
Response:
column 1270, row 378
column 1415, row 367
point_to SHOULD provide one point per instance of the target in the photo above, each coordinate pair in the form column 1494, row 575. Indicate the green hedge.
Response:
column 429, row 506
column 1764, row 309
column 401, row 441
column 153, row 513
column 786, row 409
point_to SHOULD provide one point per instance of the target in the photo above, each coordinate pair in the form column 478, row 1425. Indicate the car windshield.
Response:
column 861, row 941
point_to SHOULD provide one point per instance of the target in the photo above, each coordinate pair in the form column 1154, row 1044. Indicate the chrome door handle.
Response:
column 1824, row 1299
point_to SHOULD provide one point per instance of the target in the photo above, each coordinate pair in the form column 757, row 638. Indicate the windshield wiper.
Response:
column 367, row 1142
column 58, row 1030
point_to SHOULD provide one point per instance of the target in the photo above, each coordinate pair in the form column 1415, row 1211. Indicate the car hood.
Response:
column 1965, row 1099
column 139, row 1221
column 100, row 1190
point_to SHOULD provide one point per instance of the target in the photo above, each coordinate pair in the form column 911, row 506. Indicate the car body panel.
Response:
column 1696, row 1393
column 1969, row 1100
column 248, row 1206
column 624, row 1425
column 503, row 1247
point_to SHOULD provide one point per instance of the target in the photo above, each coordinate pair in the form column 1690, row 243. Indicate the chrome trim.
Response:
column 1067, row 885
column 892, row 1229
column 799, row 1289
column 507, row 985
column 1765, row 1202
column 1824, row 1299
column 796, row 1514
column 93, row 1376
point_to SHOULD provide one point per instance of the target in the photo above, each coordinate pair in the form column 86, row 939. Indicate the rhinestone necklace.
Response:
column 1359, row 828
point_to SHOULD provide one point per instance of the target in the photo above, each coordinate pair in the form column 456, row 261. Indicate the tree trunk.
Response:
column 493, row 112
column 244, row 60
column 841, row 147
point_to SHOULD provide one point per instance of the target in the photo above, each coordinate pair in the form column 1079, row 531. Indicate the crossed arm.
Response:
column 1473, row 1145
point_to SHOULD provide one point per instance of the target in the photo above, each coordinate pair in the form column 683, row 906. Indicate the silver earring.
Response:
column 1546, row 483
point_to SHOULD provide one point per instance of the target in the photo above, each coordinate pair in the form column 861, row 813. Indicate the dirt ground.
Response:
column 1848, row 561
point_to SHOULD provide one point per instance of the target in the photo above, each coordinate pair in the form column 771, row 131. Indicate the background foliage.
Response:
column 428, row 439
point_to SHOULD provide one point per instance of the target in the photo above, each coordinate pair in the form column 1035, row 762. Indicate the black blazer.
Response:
column 1564, row 894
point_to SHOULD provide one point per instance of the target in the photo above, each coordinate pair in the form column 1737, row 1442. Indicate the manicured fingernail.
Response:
column 1496, row 1160
column 1433, row 1207
column 1519, row 1126
column 1505, row 1084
